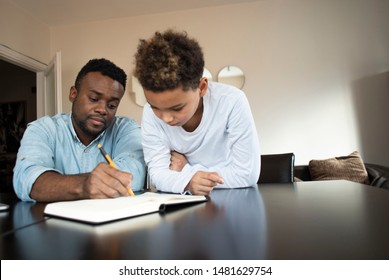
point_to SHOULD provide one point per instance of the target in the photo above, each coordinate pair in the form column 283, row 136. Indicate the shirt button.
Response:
column 86, row 151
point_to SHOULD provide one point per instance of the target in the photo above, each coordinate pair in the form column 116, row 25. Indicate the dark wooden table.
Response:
column 307, row 220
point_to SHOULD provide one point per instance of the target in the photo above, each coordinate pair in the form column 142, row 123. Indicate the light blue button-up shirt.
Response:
column 51, row 143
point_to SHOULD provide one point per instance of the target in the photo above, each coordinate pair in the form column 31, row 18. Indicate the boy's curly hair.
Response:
column 169, row 60
column 105, row 67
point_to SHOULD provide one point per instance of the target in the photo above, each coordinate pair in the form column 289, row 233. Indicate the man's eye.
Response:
column 112, row 106
column 92, row 99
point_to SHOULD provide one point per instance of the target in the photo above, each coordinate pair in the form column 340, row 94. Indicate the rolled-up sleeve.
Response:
column 35, row 156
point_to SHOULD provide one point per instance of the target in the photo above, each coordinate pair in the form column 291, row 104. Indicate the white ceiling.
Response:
column 65, row 12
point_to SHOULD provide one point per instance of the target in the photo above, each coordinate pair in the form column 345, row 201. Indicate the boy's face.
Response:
column 94, row 105
column 178, row 107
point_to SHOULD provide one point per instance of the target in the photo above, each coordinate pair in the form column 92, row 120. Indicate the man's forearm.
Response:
column 52, row 186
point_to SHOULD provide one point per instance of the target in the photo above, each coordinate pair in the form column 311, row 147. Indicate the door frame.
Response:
column 40, row 69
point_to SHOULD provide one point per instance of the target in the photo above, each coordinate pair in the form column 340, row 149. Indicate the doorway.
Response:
column 17, row 108
column 43, row 97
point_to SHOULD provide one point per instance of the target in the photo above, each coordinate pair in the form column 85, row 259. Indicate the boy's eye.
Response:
column 177, row 109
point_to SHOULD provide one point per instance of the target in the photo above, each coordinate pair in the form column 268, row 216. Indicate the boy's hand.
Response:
column 177, row 161
column 202, row 183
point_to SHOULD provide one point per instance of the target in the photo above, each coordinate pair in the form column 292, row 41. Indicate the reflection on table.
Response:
column 309, row 220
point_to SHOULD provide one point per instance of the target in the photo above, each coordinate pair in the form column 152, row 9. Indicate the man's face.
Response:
column 94, row 105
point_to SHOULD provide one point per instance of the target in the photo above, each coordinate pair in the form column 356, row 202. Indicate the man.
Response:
column 59, row 158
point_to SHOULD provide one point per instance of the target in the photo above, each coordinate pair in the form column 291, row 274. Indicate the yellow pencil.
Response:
column 112, row 164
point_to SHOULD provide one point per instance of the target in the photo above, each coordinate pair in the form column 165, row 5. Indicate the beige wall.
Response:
column 24, row 34
column 311, row 66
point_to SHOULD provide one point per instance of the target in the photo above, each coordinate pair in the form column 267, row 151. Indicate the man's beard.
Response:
column 82, row 124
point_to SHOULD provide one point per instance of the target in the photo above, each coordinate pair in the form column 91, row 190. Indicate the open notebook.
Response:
column 97, row 211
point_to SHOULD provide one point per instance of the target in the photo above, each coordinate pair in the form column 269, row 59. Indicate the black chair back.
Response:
column 277, row 168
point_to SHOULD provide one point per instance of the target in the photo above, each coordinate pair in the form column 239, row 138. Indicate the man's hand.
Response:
column 202, row 182
column 103, row 182
column 107, row 182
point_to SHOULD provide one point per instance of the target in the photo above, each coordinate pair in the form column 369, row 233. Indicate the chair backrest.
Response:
column 277, row 168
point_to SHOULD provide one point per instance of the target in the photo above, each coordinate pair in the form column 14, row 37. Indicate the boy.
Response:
column 196, row 135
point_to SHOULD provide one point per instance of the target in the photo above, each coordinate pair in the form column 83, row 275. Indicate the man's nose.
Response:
column 101, row 107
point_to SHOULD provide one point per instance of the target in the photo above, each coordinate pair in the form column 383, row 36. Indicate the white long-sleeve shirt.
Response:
column 225, row 142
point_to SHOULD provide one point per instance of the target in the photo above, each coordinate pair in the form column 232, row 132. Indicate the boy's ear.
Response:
column 203, row 86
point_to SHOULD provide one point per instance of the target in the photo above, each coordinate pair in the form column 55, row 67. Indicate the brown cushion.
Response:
column 349, row 167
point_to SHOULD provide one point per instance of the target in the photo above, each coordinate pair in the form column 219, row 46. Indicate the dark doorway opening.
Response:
column 17, row 108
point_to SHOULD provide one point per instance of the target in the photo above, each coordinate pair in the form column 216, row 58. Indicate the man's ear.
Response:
column 203, row 86
column 72, row 94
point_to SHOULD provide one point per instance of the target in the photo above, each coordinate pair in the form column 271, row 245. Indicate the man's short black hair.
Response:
column 105, row 67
